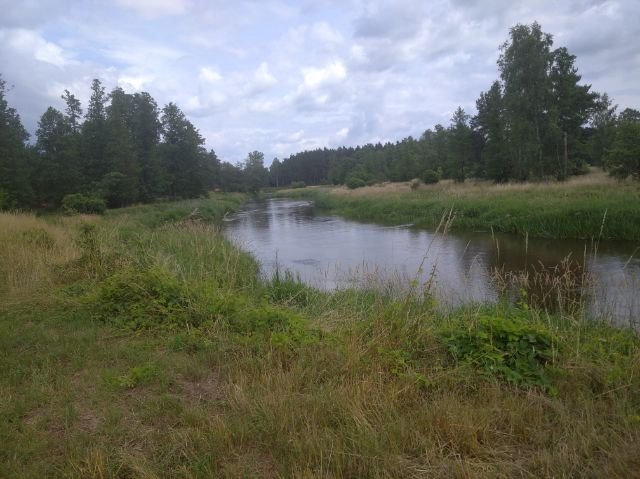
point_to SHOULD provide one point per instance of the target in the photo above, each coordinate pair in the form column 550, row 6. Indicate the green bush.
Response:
column 430, row 177
column 144, row 299
column 511, row 348
column 78, row 203
column 354, row 182
column 415, row 184
column 297, row 184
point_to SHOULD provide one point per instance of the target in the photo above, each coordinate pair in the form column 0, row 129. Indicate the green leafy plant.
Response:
column 78, row 203
column 136, row 376
column 144, row 299
column 430, row 177
column 511, row 348
column 354, row 182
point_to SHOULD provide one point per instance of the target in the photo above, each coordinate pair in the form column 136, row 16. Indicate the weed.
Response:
column 143, row 299
column 508, row 347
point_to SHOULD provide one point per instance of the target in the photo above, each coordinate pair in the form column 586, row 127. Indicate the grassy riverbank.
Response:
column 143, row 344
column 579, row 208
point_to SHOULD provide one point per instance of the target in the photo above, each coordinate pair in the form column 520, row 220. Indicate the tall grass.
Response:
column 223, row 374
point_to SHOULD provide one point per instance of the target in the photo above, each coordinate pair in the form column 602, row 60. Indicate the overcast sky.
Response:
column 283, row 76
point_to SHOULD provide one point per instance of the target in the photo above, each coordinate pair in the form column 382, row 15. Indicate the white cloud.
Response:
column 31, row 43
column 210, row 75
column 135, row 82
column 263, row 76
column 316, row 73
column 332, row 73
column 342, row 134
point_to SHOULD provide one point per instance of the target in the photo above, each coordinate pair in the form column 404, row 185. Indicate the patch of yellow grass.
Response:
column 29, row 247
column 476, row 187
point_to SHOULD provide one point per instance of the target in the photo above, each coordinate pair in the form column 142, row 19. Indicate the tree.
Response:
column 524, row 65
column 623, row 158
column 255, row 174
column 15, row 188
column 460, row 144
column 145, row 131
column 602, row 128
column 572, row 104
column 94, row 135
column 73, row 111
column 56, row 174
column 490, row 124
column 120, row 183
column 182, row 154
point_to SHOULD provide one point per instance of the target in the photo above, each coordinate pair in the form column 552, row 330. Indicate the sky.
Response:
column 284, row 76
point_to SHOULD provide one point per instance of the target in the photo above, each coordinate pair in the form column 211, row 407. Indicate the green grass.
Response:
column 149, row 348
column 579, row 209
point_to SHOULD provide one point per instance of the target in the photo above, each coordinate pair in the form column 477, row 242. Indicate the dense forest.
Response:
column 537, row 121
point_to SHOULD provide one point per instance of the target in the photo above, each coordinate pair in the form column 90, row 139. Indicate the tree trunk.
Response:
column 565, row 164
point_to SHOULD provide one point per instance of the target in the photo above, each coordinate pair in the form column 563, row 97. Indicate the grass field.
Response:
column 583, row 207
column 144, row 345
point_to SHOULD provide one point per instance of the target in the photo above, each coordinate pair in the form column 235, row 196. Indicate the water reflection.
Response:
column 329, row 252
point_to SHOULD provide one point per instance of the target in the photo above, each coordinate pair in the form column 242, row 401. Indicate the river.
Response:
column 329, row 252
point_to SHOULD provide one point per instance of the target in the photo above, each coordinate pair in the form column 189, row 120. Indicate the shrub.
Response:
column 510, row 348
column 78, row 203
column 143, row 299
column 430, row 177
column 297, row 184
column 415, row 184
column 354, row 182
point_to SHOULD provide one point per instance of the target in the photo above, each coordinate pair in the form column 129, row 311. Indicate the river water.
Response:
column 329, row 252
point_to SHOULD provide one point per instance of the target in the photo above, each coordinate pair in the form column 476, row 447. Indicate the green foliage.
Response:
column 430, row 177
column 623, row 158
column 286, row 288
column 511, row 348
column 136, row 376
column 148, row 298
column 78, row 203
column 354, row 182
column 297, row 184
column 415, row 184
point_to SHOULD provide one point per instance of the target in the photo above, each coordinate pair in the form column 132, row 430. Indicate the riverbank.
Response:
column 584, row 207
column 143, row 344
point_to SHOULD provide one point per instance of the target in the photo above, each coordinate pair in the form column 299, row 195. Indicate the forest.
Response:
column 536, row 122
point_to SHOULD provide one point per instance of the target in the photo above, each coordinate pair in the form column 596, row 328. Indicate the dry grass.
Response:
column 481, row 188
column 30, row 248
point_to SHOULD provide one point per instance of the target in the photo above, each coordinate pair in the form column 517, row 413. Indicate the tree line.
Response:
column 536, row 121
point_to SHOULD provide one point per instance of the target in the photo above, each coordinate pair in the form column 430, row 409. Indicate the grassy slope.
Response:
column 575, row 209
column 141, row 348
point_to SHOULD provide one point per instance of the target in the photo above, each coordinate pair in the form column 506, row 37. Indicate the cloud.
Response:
column 30, row 43
column 155, row 8
column 280, row 76
column 332, row 73
column 209, row 75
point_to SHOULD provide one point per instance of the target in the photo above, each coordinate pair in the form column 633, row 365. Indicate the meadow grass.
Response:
column 584, row 207
column 146, row 348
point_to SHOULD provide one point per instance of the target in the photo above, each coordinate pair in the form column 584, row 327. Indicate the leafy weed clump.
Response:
column 144, row 299
column 510, row 348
